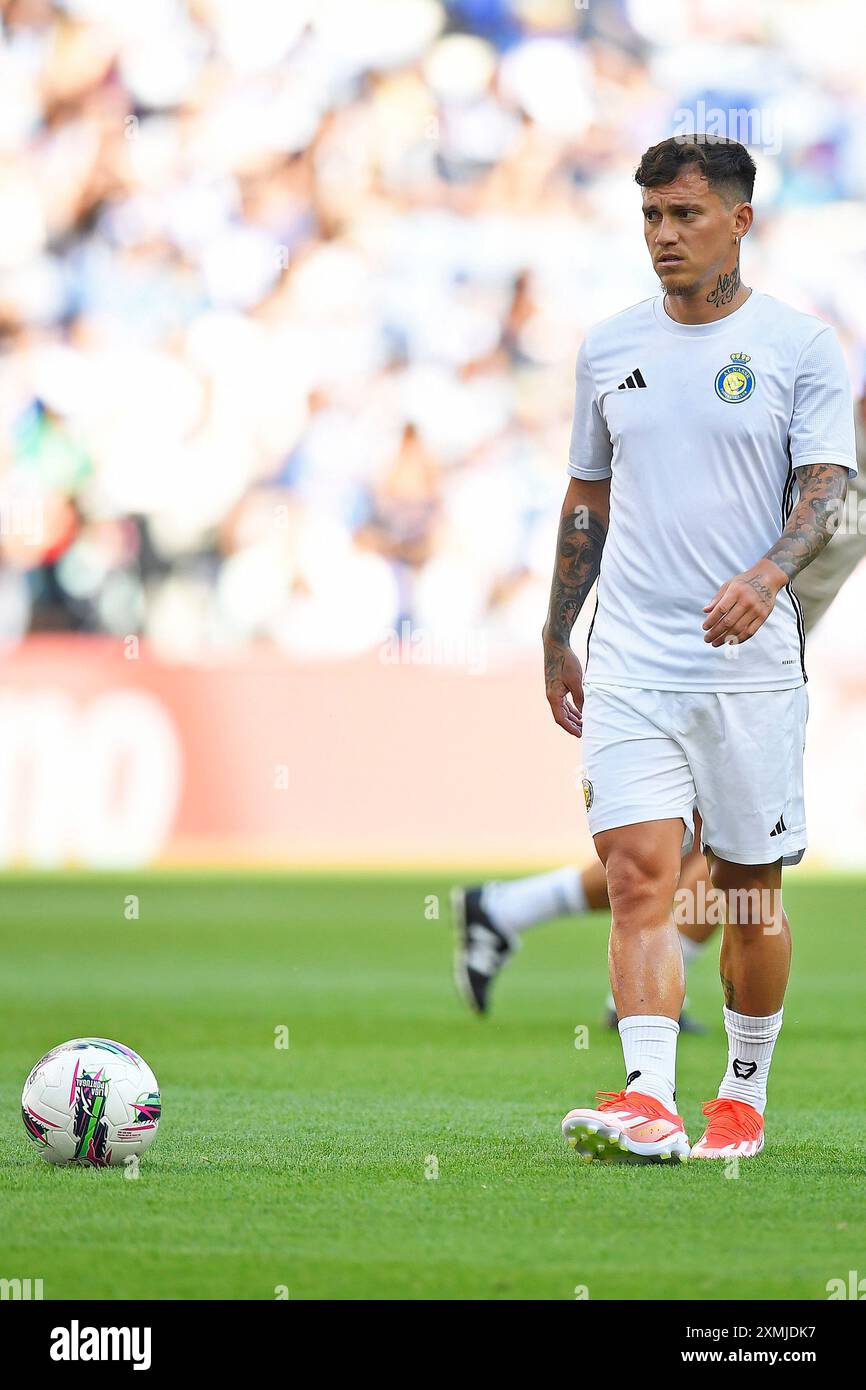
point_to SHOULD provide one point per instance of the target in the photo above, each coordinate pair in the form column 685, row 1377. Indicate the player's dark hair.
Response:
column 727, row 166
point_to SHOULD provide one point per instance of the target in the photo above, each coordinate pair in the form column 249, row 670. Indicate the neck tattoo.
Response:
column 726, row 288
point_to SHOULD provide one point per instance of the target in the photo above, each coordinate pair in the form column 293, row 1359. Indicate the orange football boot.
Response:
column 735, row 1130
column 626, row 1127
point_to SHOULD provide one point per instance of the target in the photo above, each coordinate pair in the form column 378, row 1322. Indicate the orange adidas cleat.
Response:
column 735, row 1130
column 626, row 1127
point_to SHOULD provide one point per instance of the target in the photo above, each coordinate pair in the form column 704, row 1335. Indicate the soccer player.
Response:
column 712, row 444
column 491, row 917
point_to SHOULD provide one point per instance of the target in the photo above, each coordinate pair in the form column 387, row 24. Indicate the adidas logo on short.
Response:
column 778, row 827
column 632, row 382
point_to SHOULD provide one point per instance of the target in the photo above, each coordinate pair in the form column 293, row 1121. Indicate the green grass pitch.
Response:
column 312, row 1167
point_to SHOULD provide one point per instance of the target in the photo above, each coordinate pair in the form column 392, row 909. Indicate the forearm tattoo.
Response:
column 726, row 288
column 823, row 487
column 578, row 555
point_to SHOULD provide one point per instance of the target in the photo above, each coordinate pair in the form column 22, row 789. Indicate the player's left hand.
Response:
column 743, row 604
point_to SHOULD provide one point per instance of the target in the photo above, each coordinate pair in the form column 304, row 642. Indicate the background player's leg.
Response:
column 646, row 964
column 695, row 929
column 519, row 903
column 490, row 917
column 594, row 883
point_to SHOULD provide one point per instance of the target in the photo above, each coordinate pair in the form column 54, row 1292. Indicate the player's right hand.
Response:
column 563, row 679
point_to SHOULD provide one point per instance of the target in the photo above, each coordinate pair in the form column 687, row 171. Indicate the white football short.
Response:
column 735, row 757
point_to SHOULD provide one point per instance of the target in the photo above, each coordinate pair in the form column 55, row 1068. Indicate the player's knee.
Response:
column 637, row 883
column 752, row 894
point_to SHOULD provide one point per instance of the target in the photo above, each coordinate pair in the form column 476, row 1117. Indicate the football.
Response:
column 91, row 1101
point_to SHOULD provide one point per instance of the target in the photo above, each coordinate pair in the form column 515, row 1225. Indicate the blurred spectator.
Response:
column 290, row 294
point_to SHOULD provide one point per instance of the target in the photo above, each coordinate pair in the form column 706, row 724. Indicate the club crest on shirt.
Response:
column 587, row 792
column 736, row 381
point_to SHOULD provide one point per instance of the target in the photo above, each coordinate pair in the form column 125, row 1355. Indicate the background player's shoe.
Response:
column 735, row 1130
column 627, row 1127
column 480, row 949
column 687, row 1023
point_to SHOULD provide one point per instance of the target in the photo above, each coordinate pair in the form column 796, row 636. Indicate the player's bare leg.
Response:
column 755, row 958
column 692, row 870
column 640, row 1123
column 754, row 966
column 642, row 863
column 695, row 928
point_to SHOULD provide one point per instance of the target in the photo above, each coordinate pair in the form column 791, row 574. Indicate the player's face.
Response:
column 689, row 232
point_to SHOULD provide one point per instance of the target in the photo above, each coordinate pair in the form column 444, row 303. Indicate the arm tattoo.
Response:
column 815, row 518
column 726, row 288
column 578, row 555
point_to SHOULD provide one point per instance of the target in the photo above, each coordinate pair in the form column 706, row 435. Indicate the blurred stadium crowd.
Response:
column 291, row 290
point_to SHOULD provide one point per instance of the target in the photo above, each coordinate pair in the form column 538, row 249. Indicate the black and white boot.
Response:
column 480, row 948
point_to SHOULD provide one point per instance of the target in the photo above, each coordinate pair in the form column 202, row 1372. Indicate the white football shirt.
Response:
column 700, row 428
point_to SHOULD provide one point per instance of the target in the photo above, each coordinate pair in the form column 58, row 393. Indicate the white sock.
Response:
column 750, row 1051
column 649, row 1046
column 524, row 902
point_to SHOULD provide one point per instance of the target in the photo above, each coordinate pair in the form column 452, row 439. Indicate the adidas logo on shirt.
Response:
column 632, row 382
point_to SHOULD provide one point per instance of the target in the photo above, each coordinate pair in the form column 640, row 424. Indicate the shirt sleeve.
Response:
column 590, row 452
column 822, row 423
